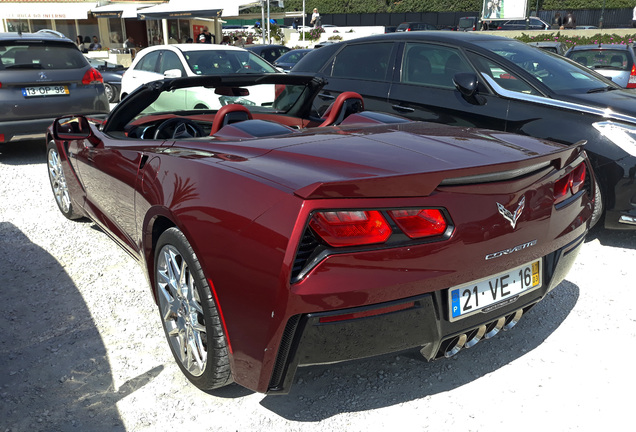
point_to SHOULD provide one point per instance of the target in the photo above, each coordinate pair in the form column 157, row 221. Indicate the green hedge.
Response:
column 569, row 41
column 380, row 6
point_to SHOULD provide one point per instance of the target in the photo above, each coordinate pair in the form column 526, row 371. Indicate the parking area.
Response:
column 81, row 346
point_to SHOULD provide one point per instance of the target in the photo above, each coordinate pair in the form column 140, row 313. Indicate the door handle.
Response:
column 325, row 96
column 402, row 109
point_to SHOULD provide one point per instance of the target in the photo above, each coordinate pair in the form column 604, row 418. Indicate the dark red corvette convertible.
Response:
column 274, row 238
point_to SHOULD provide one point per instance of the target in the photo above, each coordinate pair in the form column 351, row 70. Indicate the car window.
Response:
column 603, row 59
column 209, row 62
column 37, row 56
column 432, row 65
column 148, row 62
column 505, row 78
column 559, row 75
column 363, row 61
column 168, row 61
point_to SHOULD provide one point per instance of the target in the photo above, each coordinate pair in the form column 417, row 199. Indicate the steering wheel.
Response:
column 178, row 127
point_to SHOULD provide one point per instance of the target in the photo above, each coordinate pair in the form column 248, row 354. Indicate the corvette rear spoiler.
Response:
column 423, row 184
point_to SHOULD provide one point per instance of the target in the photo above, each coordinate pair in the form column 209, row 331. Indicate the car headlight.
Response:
column 623, row 136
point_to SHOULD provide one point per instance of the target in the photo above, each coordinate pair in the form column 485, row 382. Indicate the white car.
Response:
column 181, row 60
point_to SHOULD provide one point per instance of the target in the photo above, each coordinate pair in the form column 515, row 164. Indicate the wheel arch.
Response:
column 152, row 230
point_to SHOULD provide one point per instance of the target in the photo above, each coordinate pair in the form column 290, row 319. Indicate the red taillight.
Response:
column 571, row 184
column 0, row 85
column 92, row 76
column 418, row 223
column 351, row 228
column 632, row 78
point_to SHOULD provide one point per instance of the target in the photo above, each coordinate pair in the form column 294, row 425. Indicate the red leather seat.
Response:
column 346, row 103
column 229, row 114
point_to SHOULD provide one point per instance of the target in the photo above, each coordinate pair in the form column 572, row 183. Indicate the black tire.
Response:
column 57, row 179
column 189, row 314
column 111, row 94
column 597, row 213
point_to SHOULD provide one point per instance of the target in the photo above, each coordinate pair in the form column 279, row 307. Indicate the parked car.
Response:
column 415, row 26
column 111, row 73
column 43, row 75
column 475, row 79
column 616, row 62
column 275, row 238
column 533, row 23
column 269, row 52
column 290, row 58
column 553, row 47
column 468, row 24
column 181, row 60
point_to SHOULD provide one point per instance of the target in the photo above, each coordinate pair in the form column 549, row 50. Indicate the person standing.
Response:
column 558, row 21
column 570, row 21
column 315, row 18
column 634, row 17
column 130, row 43
column 205, row 36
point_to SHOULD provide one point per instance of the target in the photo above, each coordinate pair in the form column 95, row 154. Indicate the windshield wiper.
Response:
column 601, row 89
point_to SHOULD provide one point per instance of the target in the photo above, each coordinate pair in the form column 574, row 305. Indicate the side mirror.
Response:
column 172, row 73
column 71, row 128
column 466, row 83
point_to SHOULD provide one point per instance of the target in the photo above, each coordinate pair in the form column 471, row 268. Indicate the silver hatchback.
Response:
column 616, row 62
column 44, row 76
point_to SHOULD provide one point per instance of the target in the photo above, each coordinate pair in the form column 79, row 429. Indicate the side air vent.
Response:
column 307, row 246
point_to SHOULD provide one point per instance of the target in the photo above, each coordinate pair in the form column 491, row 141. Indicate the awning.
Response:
column 118, row 10
column 191, row 9
column 31, row 10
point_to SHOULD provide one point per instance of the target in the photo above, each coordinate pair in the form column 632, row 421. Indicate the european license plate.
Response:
column 490, row 293
column 45, row 91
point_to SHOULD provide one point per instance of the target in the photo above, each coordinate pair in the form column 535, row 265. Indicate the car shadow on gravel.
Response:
column 394, row 379
column 613, row 238
column 54, row 370
column 23, row 152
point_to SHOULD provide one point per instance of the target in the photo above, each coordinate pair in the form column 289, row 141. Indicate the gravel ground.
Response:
column 81, row 346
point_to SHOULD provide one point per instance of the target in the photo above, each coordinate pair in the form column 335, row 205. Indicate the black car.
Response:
column 112, row 74
column 533, row 23
column 475, row 79
column 43, row 76
column 269, row 52
column 290, row 58
column 415, row 26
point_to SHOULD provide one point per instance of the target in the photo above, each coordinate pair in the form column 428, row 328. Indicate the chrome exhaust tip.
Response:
column 481, row 331
column 494, row 327
column 512, row 320
column 457, row 346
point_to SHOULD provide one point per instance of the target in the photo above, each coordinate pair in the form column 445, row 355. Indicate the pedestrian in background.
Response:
column 205, row 36
column 634, row 17
column 570, row 21
column 95, row 46
column 558, row 21
column 315, row 18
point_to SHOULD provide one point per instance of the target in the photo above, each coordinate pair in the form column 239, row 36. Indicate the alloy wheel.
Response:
column 181, row 310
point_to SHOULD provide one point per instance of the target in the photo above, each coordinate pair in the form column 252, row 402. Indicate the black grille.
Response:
column 283, row 352
column 306, row 248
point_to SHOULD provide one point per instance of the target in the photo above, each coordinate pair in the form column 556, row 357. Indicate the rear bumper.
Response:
column 419, row 322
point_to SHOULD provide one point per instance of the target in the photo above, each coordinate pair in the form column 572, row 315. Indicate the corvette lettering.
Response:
column 511, row 250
